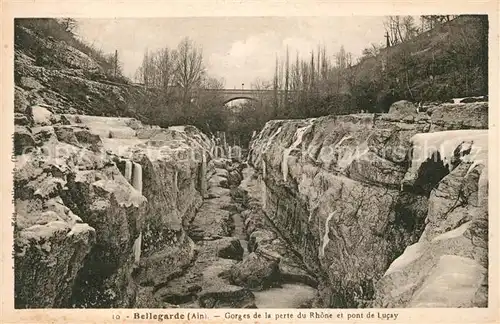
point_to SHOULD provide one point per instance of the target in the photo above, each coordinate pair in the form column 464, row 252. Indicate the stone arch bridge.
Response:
column 228, row 95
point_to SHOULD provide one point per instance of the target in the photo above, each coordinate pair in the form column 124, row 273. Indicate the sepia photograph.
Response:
column 251, row 162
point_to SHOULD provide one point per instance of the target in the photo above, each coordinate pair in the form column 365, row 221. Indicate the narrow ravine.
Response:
column 288, row 295
column 240, row 261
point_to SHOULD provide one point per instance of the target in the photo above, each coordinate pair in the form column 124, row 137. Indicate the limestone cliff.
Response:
column 100, row 205
column 351, row 193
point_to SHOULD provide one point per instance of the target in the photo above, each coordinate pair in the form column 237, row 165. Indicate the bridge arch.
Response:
column 226, row 101
column 228, row 95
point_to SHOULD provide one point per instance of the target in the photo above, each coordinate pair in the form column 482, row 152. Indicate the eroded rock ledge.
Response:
column 353, row 192
column 101, row 205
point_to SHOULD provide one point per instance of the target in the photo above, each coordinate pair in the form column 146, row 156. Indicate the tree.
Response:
column 295, row 84
column 113, row 67
column 116, row 65
column 275, row 89
column 262, row 113
column 392, row 28
column 312, row 74
column 409, row 28
column 464, row 56
column 190, row 69
column 371, row 51
column 211, row 115
column 400, row 29
column 341, row 58
column 167, row 61
column 144, row 71
column 431, row 21
column 483, row 48
column 212, row 83
column 69, row 24
column 287, row 78
column 324, row 64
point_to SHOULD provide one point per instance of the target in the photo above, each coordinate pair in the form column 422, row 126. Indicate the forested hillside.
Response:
column 442, row 59
column 449, row 61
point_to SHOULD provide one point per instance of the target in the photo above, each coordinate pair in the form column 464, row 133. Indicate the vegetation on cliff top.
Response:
column 443, row 58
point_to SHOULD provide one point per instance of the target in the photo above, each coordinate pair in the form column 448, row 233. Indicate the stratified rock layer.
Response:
column 351, row 193
column 101, row 205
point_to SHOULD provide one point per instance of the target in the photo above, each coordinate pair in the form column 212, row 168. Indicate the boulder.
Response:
column 217, row 192
column 454, row 201
column 447, row 271
column 122, row 133
column 218, row 181
column 30, row 83
column 41, row 115
column 290, row 272
column 21, row 119
column 166, row 263
column 23, row 140
column 239, row 195
column 229, row 248
column 107, row 202
column 66, row 134
column 205, row 282
column 84, row 136
column 234, row 178
column 221, row 163
column 259, row 236
column 211, row 221
column 221, row 172
column 459, row 116
column 72, row 200
column 44, row 134
column 21, row 102
column 49, row 255
column 256, row 271
column 403, row 107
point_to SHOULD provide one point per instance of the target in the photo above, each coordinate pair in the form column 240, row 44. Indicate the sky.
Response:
column 236, row 49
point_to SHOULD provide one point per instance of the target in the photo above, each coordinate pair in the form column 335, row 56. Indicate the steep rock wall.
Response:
column 100, row 205
column 352, row 192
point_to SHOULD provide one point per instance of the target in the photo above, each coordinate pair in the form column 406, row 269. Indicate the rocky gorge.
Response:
column 366, row 210
column 386, row 210
column 113, row 213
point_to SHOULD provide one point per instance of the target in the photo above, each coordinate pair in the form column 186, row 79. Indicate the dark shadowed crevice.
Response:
column 430, row 172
